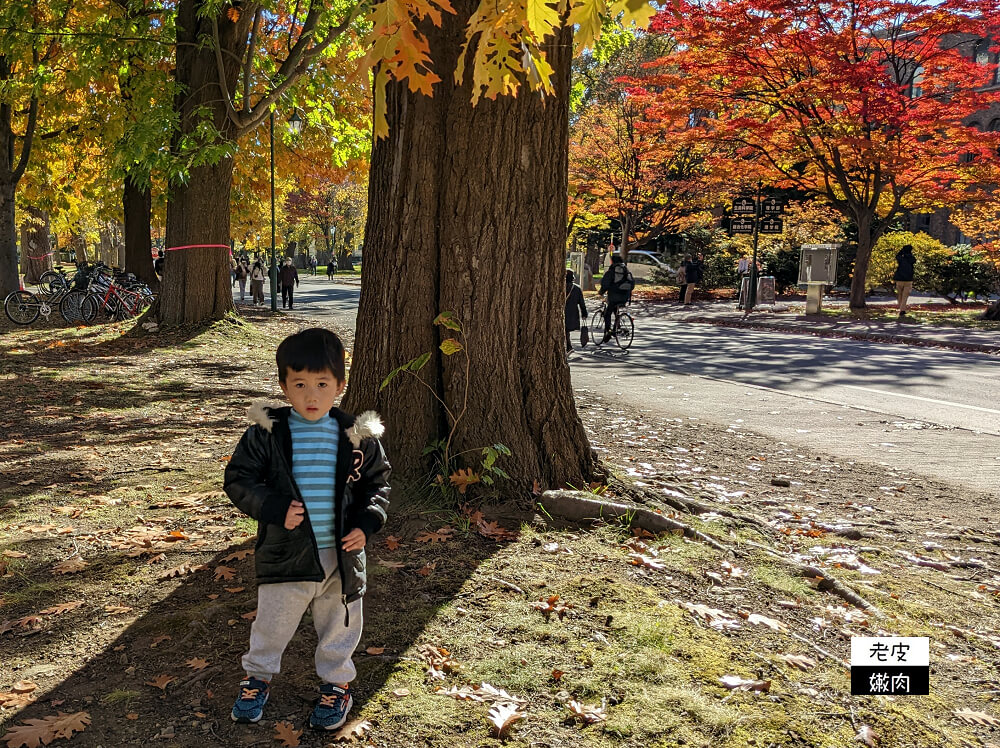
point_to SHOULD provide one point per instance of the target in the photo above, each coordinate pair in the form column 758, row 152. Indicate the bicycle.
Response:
column 623, row 329
column 117, row 302
column 24, row 307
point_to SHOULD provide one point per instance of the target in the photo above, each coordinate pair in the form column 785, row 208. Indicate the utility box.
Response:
column 817, row 269
column 818, row 264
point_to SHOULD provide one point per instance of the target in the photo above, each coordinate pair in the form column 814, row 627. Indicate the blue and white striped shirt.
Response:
column 314, row 468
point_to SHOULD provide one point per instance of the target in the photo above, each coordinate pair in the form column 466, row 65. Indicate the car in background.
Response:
column 642, row 263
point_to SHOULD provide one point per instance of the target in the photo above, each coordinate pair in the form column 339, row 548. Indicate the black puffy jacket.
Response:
column 259, row 481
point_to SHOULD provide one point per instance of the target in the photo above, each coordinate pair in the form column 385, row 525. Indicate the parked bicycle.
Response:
column 622, row 330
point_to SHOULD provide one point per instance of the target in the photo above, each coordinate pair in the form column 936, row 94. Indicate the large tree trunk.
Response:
column 344, row 259
column 9, row 280
column 36, row 249
column 467, row 213
column 137, row 208
column 197, row 285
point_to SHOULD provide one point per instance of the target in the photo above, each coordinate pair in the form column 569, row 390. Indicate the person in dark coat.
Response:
column 288, row 278
column 694, row 273
column 612, row 282
column 905, row 265
column 575, row 307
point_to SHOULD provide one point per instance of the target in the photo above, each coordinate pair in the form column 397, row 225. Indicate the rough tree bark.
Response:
column 36, row 249
column 137, row 209
column 13, row 162
column 196, row 281
column 467, row 213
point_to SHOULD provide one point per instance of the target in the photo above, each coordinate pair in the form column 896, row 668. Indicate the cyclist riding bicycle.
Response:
column 617, row 283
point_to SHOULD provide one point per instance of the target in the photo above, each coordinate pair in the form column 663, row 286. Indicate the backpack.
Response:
column 625, row 283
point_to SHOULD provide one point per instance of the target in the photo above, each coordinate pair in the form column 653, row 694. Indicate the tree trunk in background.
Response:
column 36, row 250
column 104, row 247
column 467, row 213
column 9, row 279
column 137, row 209
column 344, row 259
column 78, row 245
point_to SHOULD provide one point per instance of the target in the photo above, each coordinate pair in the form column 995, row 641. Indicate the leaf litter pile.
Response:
column 127, row 588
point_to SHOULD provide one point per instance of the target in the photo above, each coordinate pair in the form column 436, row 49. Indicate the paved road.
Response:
column 927, row 411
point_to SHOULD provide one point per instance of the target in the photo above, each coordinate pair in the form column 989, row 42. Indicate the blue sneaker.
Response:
column 249, row 706
column 331, row 710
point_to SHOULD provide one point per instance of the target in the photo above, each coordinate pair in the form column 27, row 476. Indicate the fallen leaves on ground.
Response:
column 756, row 619
column 494, row 531
column 392, row 542
column 586, row 713
column 799, row 661
column 375, row 651
column 180, row 571
column 426, row 569
column 161, row 681
column 61, row 608
column 20, row 695
column 462, row 479
column 552, row 605
column 286, row 734
column 503, row 717
column 70, row 566
column 736, row 683
column 717, row 619
column 116, row 609
column 441, row 535
column 638, row 559
column 238, row 555
column 15, row 554
column 977, row 718
column 196, row 663
column 485, row 693
column 354, row 730
column 867, row 736
column 438, row 661
column 37, row 732
column 224, row 572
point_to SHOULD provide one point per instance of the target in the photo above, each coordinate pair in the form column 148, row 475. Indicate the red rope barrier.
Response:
column 198, row 246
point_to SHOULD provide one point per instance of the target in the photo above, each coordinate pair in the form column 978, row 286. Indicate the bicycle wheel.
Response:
column 597, row 328
column 21, row 307
column 624, row 331
column 78, row 306
column 51, row 282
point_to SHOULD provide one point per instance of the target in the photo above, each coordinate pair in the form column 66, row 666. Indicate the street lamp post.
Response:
column 294, row 127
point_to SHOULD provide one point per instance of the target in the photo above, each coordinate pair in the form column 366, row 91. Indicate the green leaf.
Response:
column 418, row 363
column 450, row 346
column 501, row 473
column 447, row 319
column 486, row 479
column 389, row 377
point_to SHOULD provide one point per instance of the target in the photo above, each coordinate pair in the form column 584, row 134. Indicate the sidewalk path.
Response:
column 725, row 314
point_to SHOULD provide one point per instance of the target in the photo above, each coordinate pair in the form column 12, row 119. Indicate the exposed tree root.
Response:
column 578, row 506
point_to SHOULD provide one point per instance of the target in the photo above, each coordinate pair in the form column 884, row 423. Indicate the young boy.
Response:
column 317, row 481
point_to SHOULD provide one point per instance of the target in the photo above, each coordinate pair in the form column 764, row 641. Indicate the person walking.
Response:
column 693, row 275
column 575, row 307
column 905, row 265
column 682, row 278
column 257, row 282
column 331, row 268
column 241, row 278
column 289, row 278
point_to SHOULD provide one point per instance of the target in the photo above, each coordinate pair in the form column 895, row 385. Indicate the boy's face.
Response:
column 312, row 393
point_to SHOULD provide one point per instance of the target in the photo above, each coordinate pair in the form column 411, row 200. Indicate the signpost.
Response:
column 756, row 215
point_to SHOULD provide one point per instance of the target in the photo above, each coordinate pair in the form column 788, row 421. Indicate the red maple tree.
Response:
column 861, row 102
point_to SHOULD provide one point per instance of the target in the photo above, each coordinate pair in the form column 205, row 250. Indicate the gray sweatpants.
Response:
column 279, row 611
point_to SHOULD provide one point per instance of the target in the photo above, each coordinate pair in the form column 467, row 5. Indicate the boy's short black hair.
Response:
column 312, row 350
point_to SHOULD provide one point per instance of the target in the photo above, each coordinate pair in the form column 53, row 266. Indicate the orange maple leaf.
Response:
column 286, row 734
column 462, row 479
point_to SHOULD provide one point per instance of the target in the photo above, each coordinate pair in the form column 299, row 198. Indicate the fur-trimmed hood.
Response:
column 364, row 426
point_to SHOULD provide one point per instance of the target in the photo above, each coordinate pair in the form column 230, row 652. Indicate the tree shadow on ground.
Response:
column 204, row 620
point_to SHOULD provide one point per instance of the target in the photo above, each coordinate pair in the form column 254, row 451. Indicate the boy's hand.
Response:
column 354, row 540
column 295, row 515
